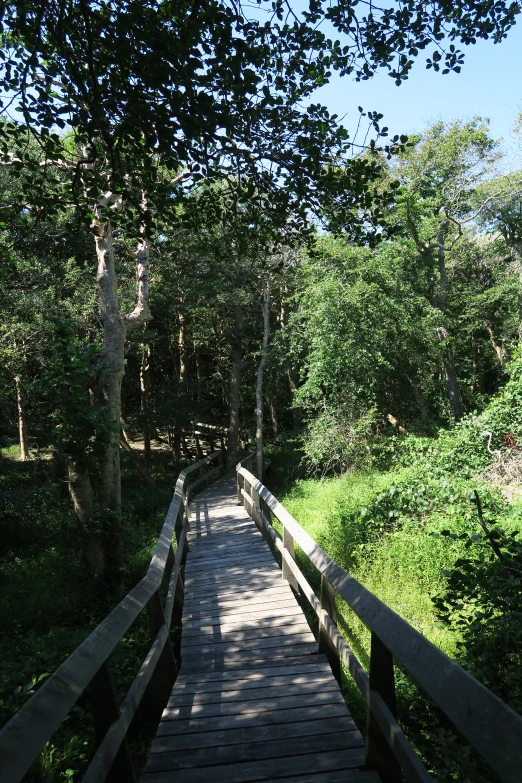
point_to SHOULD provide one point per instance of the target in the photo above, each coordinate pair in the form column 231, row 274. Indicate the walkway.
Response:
column 253, row 700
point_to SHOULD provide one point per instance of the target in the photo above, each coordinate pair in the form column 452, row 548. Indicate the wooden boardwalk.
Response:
column 253, row 700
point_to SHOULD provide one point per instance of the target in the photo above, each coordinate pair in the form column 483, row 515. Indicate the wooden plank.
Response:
column 230, row 564
column 239, row 636
column 259, row 582
column 213, row 618
column 303, row 653
column 245, row 682
column 248, row 685
column 247, row 657
column 279, row 719
column 254, row 751
column 263, row 691
column 256, row 674
column 252, row 644
column 344, row 776
column 251, row 536
column 240, row 529
column 264, row 594
column 281, row 702
column 211, row 739
column 286, row 620
column 269, row 769
column 229, row 574
column 239, row 576
column 233, row 617
column 224, row 609
column 210, row 558
column 211, row 554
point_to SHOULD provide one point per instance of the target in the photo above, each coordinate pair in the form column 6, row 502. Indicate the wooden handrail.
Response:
column 24, row 736
column 489, row 725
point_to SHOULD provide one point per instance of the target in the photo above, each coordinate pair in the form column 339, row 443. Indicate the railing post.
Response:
column 288, row 546
column 240, row 486
column 105, row 710
column 179, row 600
column 325, row 644
column 180, row 521
column 166, row 670
column 254, row 495
column 379, row 755
column 199, row 450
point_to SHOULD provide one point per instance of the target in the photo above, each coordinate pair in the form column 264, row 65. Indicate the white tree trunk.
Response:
column 111, row 376
column 236, row 355
column 144, row 398
column 24, row 449
column 259, row 386
column 141, row 313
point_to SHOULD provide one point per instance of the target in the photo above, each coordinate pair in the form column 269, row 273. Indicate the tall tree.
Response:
column 439, row 175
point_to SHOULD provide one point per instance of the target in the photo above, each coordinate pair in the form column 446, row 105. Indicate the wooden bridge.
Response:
column 257, row 697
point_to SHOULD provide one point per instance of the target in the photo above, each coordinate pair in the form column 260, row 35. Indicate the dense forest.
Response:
column 183, row 243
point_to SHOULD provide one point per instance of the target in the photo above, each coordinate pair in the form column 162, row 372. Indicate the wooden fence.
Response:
column 489, row 725
column 24, row 736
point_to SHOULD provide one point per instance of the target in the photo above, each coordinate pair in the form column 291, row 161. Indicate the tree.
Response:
column 440, row 175
column 208, row 93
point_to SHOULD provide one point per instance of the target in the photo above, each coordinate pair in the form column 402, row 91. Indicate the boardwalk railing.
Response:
column 24, row 736
column 489, row 725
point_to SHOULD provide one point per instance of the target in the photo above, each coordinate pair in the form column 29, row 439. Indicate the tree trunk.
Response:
column 141, row 312
column 450, row 374
column 273, row 416
column 144, row 398
column 498, row 350
column 182, row 348
column 199, row 372
column 235, row 379
column 114, row 332
column 179, row 440
column 259, row 386
column 291, row 378
column 137, row 460
column 24, row 449
column 419, row 399
column 80, row 488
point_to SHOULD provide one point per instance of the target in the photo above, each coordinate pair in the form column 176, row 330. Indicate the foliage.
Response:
column 48, row 604
column 482, row 598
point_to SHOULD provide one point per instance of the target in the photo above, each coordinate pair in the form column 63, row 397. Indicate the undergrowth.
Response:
column 409, row 529
column 48, row 604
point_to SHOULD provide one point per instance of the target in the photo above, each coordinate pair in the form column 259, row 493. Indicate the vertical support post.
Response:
column 240, row 486
column 105, row 710
column 199, row 450
column 179, row 600
column 325, row 644
column 186, row 516
column 288, row 548
column 254, row 494
column 211, row 444
column 166, row 670
column 248, row 494
column 379, row 755
column 180, row 521
column 177, row 613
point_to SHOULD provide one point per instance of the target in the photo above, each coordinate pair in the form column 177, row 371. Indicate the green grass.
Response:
column 403, row 569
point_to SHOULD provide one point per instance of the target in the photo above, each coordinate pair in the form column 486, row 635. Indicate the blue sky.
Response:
column 490, row 85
